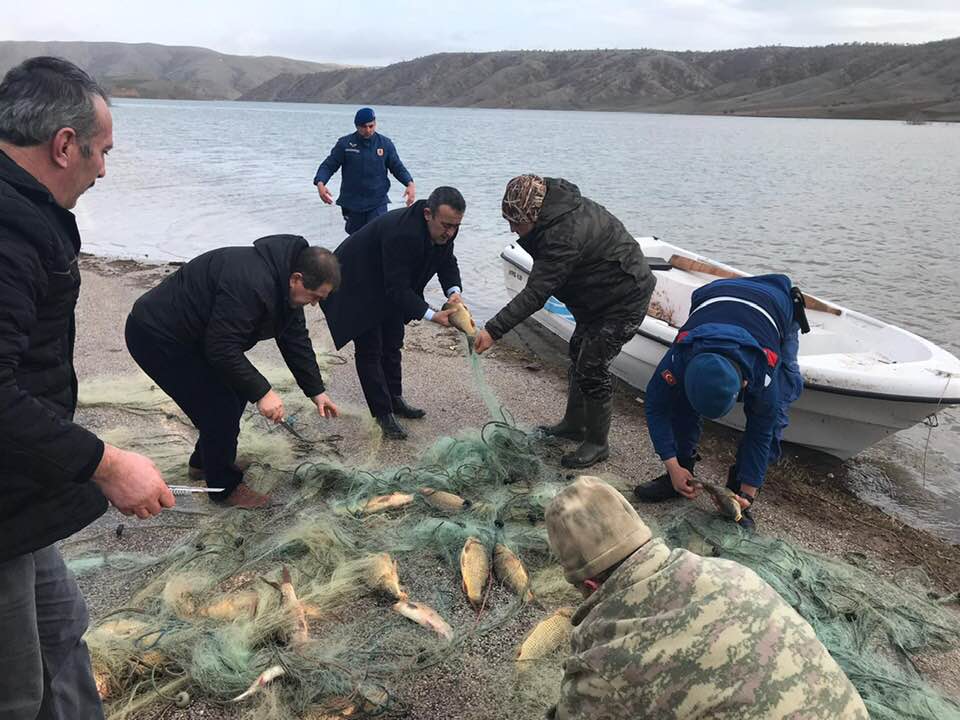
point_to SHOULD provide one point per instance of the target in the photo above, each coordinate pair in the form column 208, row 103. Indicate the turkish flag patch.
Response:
column 772, row 357
column 380, row 152
column 668, row 377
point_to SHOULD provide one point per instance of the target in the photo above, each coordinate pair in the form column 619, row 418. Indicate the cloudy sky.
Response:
column 377, row 32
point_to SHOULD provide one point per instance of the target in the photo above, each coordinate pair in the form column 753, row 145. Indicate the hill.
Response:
column 851, row 80
column 162, row 71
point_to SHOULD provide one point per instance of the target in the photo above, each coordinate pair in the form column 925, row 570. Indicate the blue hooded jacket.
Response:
column 365, row 161
column 746, row 320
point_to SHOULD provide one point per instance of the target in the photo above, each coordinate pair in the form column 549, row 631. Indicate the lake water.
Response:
column 865, row 213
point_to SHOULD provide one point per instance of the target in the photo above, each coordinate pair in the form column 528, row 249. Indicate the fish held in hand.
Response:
column 424, row 615
column 546, row 637
column 442, row 500
column 511, row 572
column 474, row 569
column 724, row 498
column 461, row 319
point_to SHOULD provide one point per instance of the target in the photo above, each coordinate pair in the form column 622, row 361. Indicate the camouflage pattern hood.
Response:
column 672, row 635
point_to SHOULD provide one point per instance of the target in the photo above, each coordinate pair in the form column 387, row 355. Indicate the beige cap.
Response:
column 523, row 198
column 592, row 527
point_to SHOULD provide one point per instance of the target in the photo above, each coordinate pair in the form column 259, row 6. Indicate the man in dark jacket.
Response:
column 584, row 257
column 386, row 265
column 55, row 476
column 740, row 342
column 365, row 156
column 190, row 334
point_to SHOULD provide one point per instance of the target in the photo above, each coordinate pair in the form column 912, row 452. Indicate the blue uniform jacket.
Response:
column 743, row 334
column 363, row 182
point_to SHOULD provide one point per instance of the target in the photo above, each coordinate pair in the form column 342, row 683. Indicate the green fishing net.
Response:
column 301, row 595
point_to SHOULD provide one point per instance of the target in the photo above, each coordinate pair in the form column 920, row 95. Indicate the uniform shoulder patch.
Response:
column 380, row 152
column 668, row 377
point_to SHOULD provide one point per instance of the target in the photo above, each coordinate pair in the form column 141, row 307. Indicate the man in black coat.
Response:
column 191, row 332
column 386, row 266
column 585, row 257
column 55, row 476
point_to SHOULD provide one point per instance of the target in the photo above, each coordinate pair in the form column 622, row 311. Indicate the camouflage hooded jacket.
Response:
column 582, row 255
column 672, row 635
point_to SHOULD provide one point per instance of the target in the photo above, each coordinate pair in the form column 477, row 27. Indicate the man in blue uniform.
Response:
column 739, row 343
column 365, row 157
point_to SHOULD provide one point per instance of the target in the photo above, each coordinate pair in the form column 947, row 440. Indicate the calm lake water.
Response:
column 865, row 213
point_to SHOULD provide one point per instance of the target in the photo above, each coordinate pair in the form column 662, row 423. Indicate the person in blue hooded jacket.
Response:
column 739, row 343
column 364, row 157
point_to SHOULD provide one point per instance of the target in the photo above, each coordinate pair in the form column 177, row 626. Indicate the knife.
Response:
column 188, row 489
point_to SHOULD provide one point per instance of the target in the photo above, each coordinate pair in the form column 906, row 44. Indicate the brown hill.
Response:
column 161, row 71
column 851, row 80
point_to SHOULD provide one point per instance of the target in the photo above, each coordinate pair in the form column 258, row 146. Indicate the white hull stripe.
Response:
column 753, row 305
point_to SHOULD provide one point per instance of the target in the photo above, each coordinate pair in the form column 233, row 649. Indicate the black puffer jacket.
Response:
column 225, row 301
column 46, row 461
column 583, row 256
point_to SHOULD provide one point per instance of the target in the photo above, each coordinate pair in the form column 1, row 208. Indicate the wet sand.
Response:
column 801, row 500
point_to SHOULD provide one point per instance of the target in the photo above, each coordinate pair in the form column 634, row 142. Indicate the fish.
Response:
column 231, row 607
column 383, row 576
column 511, row 572
column 546, row 637
column 442, row 500
column 386, row 502
column 724, row 498
column 461, row 318
column 424, row 615
column 268, row 675
column 474, row 569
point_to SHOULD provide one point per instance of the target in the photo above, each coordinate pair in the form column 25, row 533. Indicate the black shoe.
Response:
column 571, row 427
column 401, row 408
column 594, row 448
column 661, row 488
column 746, row 519
column 392, row 430
column 656, row 490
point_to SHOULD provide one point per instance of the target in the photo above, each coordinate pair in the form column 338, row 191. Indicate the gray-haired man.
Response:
column 55, row 132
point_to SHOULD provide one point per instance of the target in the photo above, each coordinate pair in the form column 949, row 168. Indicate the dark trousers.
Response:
column 45, row 671
column 212, row 405
column 356, row 219
column 377, row 353
column 593, row 346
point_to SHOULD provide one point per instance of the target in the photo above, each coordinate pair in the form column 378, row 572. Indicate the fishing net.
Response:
column 360, row 591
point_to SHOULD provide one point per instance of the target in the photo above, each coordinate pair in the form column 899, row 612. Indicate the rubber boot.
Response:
column 392, row 430
column 594, row 447
column 660, row 488
column 571, row 427
column 401, row 408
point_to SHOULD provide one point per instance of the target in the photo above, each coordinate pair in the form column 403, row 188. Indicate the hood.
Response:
column 562, row 197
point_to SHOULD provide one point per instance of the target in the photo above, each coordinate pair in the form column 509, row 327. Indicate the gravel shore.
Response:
column 803, row 500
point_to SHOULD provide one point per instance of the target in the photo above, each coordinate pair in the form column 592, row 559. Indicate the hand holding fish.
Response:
column 442, row 317
column 325, row 406
column 271, row 406
column 455, row 298
column 681, row 478
column 483, row 341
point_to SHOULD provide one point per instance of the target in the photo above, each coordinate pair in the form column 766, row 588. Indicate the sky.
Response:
column 378, row 32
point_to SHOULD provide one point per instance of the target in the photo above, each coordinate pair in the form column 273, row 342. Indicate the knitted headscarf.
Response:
column 523, row 198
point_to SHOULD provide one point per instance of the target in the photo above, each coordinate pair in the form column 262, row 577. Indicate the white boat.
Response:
column 863, row 378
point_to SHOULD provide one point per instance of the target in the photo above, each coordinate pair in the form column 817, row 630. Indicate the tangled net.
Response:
column 304, row 609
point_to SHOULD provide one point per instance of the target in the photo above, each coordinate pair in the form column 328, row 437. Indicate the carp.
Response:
column 383, row 576
column 511, row 572
column 724, row 498
column 442, row 500
column 424, row 615
column 461, row 319
column 547, row 636
column 380, row 503
column 230, row 607
column 474, row 569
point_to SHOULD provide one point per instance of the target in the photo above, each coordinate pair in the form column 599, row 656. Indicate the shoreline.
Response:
column 801, row 500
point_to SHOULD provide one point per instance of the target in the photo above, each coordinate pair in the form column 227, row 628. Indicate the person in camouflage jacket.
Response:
column 585, row 257
column 671, row 635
